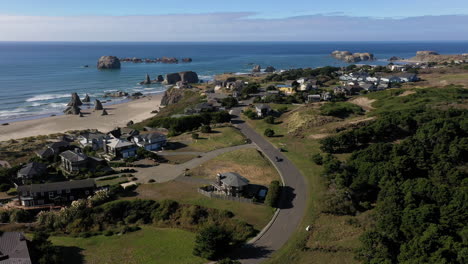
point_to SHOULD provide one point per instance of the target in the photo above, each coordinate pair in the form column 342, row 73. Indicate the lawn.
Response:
column 111, row 181
column 221, row 137
column 183, row 192
column 148, row 245
column 249, row 163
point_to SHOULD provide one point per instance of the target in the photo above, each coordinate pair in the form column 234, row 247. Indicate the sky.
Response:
column 238, row 20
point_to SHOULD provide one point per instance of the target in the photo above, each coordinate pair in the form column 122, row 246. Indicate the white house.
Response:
column 151, row 141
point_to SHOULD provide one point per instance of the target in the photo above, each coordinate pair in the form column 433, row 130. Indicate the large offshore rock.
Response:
column 86, row 99
column 352, row 57
column 147, row 80
column 257, row 68
column 72, row 110
column 189, row 77
column 270, row 69
column 98, row 105
column 172, row 78
column 75, row 100
column 108, row 62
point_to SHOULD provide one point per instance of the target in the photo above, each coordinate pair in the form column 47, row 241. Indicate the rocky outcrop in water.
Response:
column 395, row 58
column 187, row 76
column 72, row 110
column 147, row 80
column 169, row 60
column 256, row 68
column 187, row 60
column 108, row 62
column 172, row 96
column 352, row 57
column 86, row 99
column 270, row 69
column 104, row 112
column 160, row 78
column 98, row 105
column 426, row 53
column 75, row 100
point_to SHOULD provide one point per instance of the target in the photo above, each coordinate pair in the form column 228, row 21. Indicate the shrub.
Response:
column 341, row 109
column 250, row 114
column 211, row 242
column 274, row 192
column 229, row 102
column 151, row 181
column 317, row 159
column 270, row 120
column 283, row 109
column 206, row 129
column 269, row 132
column 4, row 187
column 195, row 135
column 228, row 261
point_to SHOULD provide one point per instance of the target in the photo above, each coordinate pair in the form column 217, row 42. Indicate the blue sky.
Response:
column 252, row 20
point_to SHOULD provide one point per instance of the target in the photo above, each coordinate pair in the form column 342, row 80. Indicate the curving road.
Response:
column 292, row 204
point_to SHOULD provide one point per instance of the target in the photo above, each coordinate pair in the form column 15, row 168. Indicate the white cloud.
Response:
column 231, row 27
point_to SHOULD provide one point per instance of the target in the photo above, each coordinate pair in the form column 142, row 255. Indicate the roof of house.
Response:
column 73, row 156
column 55, row 186
column 152, row 136
column 5, row 164
column 129, row 131
column 47, row 152
column 233, row 179
column 14, row 248
column 116, row 143
column 91, row 135
column 367, row 85
column 58, row 144
column 33, row 168
column 314, row 95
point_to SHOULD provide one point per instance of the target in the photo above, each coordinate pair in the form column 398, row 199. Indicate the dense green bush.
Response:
column 211, row 242
column 269, row 132
column 205, row 129
column 273, row 194
column 190, row 123
column 270, row 120
column 317, row 159
column 229, row 102
column 340, row 109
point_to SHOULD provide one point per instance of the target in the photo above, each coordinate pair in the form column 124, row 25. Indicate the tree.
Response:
column 211, row 242
column 317, row 159
column 43, row 251
column 228, row 261
column 269, row 132
column 195, row 135
column 229, row 102
column 274, row 193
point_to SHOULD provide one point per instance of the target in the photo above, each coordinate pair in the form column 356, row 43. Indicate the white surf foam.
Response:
column 45, row 97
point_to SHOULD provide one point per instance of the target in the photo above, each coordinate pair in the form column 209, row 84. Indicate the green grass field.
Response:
column 148, row 245
column 219, row 138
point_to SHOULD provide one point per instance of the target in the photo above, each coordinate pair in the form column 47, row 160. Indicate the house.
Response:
column 94, row 140
column 123, row 133
column 286, row 89
column 313, row 98
column 262, row 110
column 200, row 108
column 32, row 170
column 73, row 161
column 326, row 96
column 382, row 86
column 151, row 141
column 14, row 248
column 308, row 85
column 408, row 77
column 396, row 67
column 55, row 192
column 53, row 149
column 370, row 87
column 121, row 148
column 230, row 183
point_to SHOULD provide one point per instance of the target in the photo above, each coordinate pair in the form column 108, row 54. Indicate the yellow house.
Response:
column 286, row 90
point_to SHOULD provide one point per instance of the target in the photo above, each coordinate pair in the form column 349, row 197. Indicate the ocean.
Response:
column 36, row 78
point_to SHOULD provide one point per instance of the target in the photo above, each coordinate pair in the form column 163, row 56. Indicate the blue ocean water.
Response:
column 37, row 78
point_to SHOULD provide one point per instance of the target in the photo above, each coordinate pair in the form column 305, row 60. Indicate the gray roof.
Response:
column 14, row 248
column 116, row 143
column 73, row 156
column 154, row 136
column 55, row 186
column 59, row 144
column 33, row 168
column 233, row 179
column 47, row 152
column 91, row 136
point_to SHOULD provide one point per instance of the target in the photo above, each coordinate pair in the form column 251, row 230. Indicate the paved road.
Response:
column 293, row 201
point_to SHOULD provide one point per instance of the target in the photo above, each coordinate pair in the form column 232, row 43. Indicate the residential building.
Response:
column 311, row 98
column 326, row 96
column 370, row 87
column 262, row 110
column 53, row 149
column 14, row 248
column 119, row 148
column 32, row 170
column 73, row 161
column 230, row 183
column 94, row 140
column 286, row 89
column 55, row 193
column 151, row 141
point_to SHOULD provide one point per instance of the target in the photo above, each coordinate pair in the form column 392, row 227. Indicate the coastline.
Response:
column 119, row 115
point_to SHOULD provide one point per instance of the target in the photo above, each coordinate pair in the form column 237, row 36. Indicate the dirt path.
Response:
column 363, row 102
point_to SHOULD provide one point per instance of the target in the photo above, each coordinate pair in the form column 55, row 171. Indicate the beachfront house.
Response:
column 120, row 148
column 262, row 110
column 312, row 98
column 55, row 193
column 31, row 170
column 53, row 149
column 151, row 141
column 230, row 183
column 370, row 87
column 73, row 161
column 94, row 140
column 14, row 248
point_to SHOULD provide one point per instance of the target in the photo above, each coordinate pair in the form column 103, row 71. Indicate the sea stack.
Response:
column 108, row 62
column 270, row 69
column 75, row 100
column 86, row 99
column 98, row 105
column 257, row 68
column 72, row 110
column 104, row 112
column 147, row 80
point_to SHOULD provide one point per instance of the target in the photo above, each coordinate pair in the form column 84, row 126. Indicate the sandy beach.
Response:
column 119, row 115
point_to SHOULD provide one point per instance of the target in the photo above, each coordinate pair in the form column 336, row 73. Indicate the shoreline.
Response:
column 119, row 115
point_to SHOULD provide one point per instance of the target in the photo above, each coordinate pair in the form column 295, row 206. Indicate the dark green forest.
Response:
column 409, row 167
